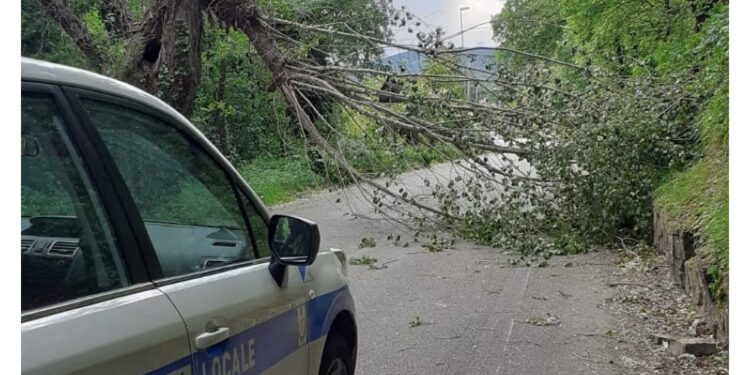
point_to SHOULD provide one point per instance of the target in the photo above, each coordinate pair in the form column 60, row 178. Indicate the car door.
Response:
column 208, row 239
column 87, row 304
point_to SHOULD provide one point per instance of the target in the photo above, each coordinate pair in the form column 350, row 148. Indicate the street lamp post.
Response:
column 461, row 18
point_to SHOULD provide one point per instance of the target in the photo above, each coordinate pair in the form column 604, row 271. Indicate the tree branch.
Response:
column 434, row 52
column 64, row 15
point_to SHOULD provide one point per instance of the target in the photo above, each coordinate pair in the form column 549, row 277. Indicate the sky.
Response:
column 445, row 13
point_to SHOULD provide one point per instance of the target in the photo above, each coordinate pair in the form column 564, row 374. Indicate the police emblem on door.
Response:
column 302, row 325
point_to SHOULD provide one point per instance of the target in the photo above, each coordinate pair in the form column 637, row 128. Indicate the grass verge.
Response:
column 698, row 197
column 280, row 180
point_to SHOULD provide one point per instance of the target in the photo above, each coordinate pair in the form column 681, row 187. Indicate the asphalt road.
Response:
column 465, row 310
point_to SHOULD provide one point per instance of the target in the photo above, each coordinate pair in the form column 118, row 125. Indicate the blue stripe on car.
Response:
column 263, row 345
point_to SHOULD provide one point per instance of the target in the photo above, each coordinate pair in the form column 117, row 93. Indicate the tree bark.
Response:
column 116, row 16
column 243, row 15
column 163, row 49
column 181, row 54
column 63, row 14
column 165, row 52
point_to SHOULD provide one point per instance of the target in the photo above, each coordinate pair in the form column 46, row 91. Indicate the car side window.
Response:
column 68, row 249
column 258, row 225
column 188, row 203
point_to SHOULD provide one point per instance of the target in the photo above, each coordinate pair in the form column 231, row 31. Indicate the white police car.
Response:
column 144, row 251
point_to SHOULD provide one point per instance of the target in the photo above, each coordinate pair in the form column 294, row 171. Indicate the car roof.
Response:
column 47, row 72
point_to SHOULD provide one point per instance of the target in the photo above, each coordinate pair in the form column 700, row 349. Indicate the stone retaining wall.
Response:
column 688, row 267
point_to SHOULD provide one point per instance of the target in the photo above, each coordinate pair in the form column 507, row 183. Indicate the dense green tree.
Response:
column 534, row 26
column 208, row 70
column 42, row 38
column 234, row 106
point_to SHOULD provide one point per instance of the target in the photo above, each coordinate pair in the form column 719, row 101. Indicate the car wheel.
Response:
column 336, row 357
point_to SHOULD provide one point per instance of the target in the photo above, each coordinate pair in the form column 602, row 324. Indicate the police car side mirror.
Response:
column 293, row 241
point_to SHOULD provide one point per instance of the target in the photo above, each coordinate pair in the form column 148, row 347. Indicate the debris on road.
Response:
column 382, row 266
column 438, row 244
column 629, row 362
column 549, row 320
column 699, row 328
column 660, row 315
column 362, row 261
column 686, row 357
column 622, row 283
column 367, row 242
column 690, row 345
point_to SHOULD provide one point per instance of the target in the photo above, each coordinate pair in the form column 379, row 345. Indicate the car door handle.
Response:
column 206, row 339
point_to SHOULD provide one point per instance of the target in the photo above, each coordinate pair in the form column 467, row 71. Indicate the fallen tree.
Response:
column 554, row 151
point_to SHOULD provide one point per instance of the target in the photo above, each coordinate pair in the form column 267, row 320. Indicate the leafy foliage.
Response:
column 234, row 107
column 367, row 17
column 531, row 26
column 632, row 37
column 374, row 150
column 43, row 39
column 699, row 196
column 362, row 261
column 367, row 242
column 653, row 97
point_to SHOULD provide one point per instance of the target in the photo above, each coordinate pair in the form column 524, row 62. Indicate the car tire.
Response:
column 336, row 356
